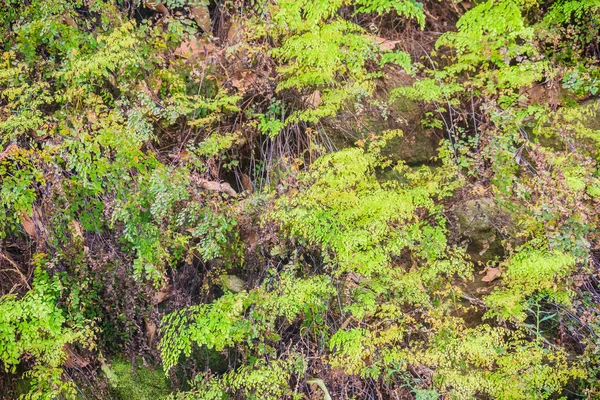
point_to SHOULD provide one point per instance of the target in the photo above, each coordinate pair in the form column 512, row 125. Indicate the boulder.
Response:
column 478, row 223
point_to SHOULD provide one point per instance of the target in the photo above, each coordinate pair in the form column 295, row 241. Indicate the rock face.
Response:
column 476, row 223
column 417, row 146
column 233, row 283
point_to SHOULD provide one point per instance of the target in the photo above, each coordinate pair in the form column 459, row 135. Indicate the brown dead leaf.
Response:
column 246, row 183
column 384, row 44
column 74, row 360
column 67, row 19
column 151, row 89
column 491, row 274
column 314, row 99
column 251, row 239
column 160, row 296
column 346, row 323
column 195, row 49
column 183, row 155
column 77, row 229
column 354, row 278
column 6, row 152
column 217, row 187
column 156, row 85
column 579, row 280
column 234, row 33
column 28, row 225
column 243, row 80
column 32, row 224
column 201, row 15
column 150, row 330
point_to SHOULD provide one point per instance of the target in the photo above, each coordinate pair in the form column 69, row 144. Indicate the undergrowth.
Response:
column 216, row 190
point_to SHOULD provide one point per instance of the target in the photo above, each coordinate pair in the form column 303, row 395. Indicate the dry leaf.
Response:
column 193, row 49
column 150, row 331
column 354, row 277
column 28, row 225
column 77, row 229
column 67, row 19
column 384, row 44
column 7, row 151
column 235, row 33
column 157, row 84
column 183, row 155
column 153, row 94
column 243, row 80
column 202, row 17
column 579, row 280
column 491, row 274
column 346, row 323
column 216, row 186
column 160, row 296
column 74, row 360
column 314, row 99
column 246, row 183
column 251, row 238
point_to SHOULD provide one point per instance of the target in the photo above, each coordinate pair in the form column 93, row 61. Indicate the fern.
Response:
column 34, row 326
column 264, row 380
column 531, row 271
column 234, row 319
column 496, row 362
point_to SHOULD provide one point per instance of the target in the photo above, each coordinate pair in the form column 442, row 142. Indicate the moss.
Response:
column 20, row 387
column 137, row 382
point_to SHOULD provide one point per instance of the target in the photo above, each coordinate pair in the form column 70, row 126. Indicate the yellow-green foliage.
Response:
column 246, row 320
column 267, row 380
column 18, row 175
column 116, row 146
column 320, row 50
column 362, row 222
column 370, row 352
column 531, row 271
column 34, row 326
column 363, row 225
column 235, row 319
column 496, row 362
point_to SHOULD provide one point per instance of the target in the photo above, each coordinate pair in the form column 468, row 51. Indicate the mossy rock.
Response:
column 233, row 283
column 417, row 146
column 476, row 222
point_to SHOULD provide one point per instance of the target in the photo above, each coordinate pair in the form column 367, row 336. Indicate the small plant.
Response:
column 35, row 327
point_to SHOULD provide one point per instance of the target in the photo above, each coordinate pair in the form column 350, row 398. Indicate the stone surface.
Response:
column 476, row 223
column 417, row 146
column 233, row 283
